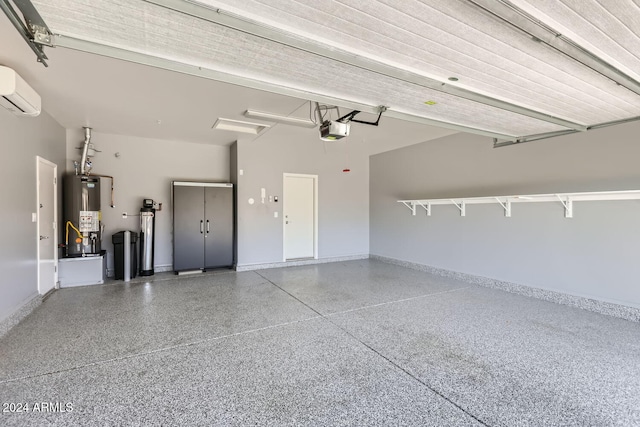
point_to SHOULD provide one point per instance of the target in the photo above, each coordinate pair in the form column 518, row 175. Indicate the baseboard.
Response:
column 16, row 317
column 251, row 267
column 163, row 268
column 598, row 306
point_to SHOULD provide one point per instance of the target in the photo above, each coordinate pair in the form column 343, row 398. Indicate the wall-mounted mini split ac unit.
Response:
column 16, row 95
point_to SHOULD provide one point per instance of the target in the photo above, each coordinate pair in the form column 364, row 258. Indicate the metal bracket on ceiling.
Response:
column 31, row 26
column 42, row 35
column 351, row 117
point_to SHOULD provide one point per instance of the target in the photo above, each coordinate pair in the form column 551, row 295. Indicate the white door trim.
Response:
column 40, row 160
column 315, row 212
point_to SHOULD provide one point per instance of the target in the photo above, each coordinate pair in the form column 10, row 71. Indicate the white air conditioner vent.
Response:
column 16, row 95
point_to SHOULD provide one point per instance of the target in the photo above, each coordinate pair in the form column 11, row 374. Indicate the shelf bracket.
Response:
column 426, row 207
column 507, row 207
column 568, row 206
column 462, row 206
column 411, row 206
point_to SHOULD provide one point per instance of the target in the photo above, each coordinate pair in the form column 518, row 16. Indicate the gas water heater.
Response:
column 82, row 215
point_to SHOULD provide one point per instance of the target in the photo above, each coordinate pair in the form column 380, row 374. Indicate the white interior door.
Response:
column 300, row 216
column 47, row 218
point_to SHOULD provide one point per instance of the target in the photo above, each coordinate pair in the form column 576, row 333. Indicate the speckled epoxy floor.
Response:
column 352, row 343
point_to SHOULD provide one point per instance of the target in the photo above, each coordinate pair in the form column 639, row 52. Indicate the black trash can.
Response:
column 118, row 254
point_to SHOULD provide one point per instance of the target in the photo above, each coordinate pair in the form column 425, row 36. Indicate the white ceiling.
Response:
column 506, row 68
column 119, row 97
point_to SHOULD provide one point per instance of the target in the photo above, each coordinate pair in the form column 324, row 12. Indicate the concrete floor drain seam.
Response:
column 406, row 372
column 396, row 301
column 292, row 296
column 392, row 363
column 158, row 350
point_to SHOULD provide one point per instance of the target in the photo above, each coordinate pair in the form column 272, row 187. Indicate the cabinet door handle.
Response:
column 207, row 226
column 201, row 227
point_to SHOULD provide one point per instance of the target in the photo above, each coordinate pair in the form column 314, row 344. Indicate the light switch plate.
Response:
column 275, row 214
column 34, row 217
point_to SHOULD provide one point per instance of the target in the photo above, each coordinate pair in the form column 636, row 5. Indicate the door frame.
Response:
column 315, row 212
column 39, row 161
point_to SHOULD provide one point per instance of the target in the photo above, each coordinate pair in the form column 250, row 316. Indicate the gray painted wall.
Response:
column 343, row 198
column 144, row 169
column 595, row 254
column 22, row 139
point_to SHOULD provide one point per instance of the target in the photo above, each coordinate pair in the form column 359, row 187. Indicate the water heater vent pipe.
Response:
column 85, row 149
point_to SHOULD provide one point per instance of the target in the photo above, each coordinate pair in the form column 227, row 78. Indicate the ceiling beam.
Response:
column 71, row 42
column 497, row 143
column 229, row 20
column 541, row 32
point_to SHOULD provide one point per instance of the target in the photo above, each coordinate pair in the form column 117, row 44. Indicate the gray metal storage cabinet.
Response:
column 202, row 225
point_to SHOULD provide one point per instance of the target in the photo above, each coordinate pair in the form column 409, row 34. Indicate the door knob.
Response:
column 44, row 237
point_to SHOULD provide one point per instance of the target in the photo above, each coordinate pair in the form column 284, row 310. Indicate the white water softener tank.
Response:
column 147, row 232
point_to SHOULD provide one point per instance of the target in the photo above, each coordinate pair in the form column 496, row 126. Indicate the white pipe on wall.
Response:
column 127, row 256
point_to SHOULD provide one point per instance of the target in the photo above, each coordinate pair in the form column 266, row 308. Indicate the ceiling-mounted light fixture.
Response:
column 293, row 121
column 239, row 126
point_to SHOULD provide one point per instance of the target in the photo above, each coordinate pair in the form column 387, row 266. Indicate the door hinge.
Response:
column 55, row 180
column 55, row 268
